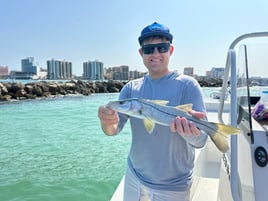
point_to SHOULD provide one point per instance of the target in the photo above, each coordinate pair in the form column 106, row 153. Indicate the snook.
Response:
column 156, row 111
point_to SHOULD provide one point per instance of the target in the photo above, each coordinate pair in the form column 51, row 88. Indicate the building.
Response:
column 124, row 72
column 120, row 73
column 108, row 73
column 3, row 70
column 135, row 74
column 93, row 70
column 29, row 70
column 216, row 73
column 29, row 67
column 43, row 73
column 188, row 71
column 59, row 69
column 20, row 75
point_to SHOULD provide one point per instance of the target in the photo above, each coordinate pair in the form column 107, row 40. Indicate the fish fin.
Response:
column 220, row 137
column 226, row 129
column 186, row 107
column 160, row 102
column 221, row 142
column 149, row 125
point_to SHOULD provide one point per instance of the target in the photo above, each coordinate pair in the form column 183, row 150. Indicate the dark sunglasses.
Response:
column 161, row 47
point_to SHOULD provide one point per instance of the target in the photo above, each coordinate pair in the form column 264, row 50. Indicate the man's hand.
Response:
column 109, row 120
column 184, row 127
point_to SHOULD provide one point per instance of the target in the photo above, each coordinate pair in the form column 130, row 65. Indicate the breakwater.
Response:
column 48, row 89
column 10, row 91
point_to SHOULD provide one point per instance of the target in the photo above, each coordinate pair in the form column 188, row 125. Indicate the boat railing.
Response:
column 231, row 68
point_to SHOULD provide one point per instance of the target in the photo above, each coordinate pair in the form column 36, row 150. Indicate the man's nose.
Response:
column 155, row 51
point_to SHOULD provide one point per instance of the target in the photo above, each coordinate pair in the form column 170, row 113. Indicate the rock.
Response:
column 20, row 93
column 44, row 88
column 52, row 88
column 30, row 96
column 16, row 87
column 47, row 89
column 3, row 89
column 114, row 90
column 5, row 98
column 70, row 86
column 82, row 84
column 102, row 89
column 29, row 89
column 37, row 91
column 63, row 92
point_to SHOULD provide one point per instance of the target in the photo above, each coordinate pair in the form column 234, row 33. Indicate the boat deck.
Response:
column 209, row 187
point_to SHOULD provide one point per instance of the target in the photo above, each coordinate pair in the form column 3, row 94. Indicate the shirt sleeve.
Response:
column 194, row 95
column 197, row 141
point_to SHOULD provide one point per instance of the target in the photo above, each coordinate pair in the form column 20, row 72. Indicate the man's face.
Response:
column 155, row 53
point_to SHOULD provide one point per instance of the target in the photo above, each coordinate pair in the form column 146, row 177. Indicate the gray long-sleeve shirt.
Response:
column 163, row 160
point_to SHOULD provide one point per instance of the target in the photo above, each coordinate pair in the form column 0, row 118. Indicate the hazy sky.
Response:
column 107, row 30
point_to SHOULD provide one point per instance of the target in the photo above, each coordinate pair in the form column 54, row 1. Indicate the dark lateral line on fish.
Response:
column 153, row 106
column 156, row 108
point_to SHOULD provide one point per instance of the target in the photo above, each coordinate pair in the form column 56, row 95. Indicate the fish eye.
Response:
column 121, row 102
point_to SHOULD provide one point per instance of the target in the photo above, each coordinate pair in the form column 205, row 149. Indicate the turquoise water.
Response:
column 55, row 150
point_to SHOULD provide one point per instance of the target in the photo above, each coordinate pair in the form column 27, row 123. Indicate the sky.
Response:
column 108, row 30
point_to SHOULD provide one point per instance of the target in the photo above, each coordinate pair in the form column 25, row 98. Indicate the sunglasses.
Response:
column 161, row 47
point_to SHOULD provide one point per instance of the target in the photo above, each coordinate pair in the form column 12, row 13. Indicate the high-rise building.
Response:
column 120, row 73
column 135, row 74
column 59, row 69
column 93, row 70
column 124, row 70
column 116, row 74
column 217, row 73
column 28, row 66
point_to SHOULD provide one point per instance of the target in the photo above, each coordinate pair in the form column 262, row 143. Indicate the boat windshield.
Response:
column 250, row 85
column 243, row 89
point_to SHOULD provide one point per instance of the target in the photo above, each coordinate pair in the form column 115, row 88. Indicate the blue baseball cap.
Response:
column 155, row 29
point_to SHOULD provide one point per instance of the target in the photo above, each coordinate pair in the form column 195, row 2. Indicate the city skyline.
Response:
column 108, row 30
column 48, row 64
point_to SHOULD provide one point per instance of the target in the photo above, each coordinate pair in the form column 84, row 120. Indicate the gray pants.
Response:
column 135, row 191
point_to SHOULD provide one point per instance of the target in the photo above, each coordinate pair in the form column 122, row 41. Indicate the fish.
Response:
column 158, row 112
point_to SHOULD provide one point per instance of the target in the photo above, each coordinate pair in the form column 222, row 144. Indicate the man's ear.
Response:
column 140, row 51
column 171, row 49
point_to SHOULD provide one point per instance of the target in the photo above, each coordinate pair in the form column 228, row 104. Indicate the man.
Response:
column 159, row 165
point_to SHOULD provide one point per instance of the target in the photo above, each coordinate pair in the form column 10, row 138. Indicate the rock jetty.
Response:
column 10, row 91
column 47, row 89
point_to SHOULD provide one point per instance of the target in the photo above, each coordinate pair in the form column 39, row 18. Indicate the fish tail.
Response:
column 226, row 129
column 221, row 142
column 220, row 137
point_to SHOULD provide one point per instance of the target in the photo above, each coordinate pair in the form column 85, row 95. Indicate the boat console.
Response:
column 245, row 167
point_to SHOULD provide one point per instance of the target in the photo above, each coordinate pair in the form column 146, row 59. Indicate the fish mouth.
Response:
column 112, row 105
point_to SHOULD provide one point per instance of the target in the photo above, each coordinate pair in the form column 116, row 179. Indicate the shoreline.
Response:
column 16, row 91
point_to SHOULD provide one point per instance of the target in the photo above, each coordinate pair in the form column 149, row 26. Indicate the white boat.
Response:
column 242, row 173
column 217, row 95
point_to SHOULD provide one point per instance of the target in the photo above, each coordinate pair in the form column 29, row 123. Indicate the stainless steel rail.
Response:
column 231, row 65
